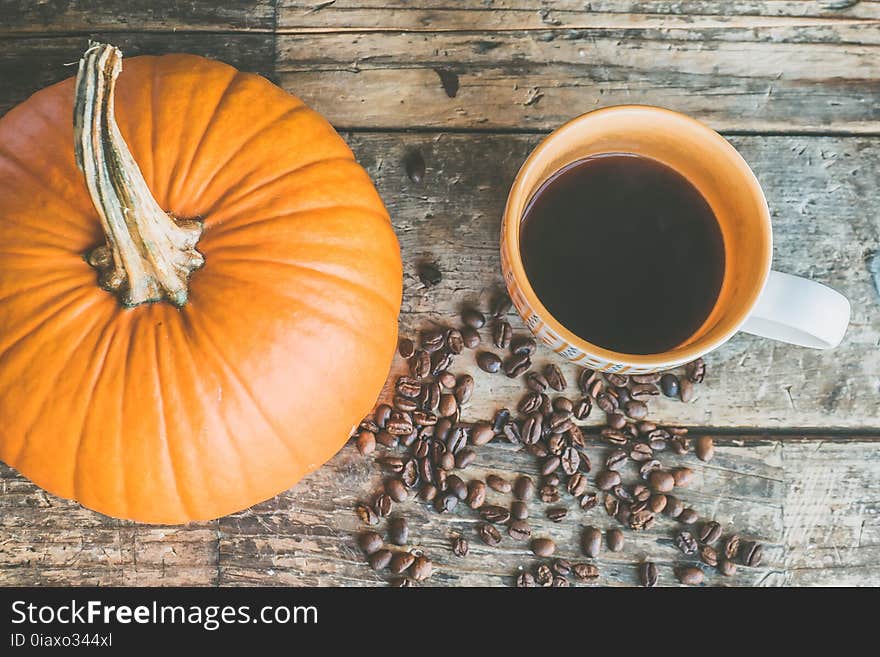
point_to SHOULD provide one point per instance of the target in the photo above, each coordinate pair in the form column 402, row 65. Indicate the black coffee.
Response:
column 624, row 252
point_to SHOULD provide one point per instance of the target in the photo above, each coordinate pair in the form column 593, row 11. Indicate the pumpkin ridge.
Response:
column 238, row 379
column 182, row 178
column 223, row 201
column 275, row 119
column 98, row 372
column 26, row 291
column 163, row 426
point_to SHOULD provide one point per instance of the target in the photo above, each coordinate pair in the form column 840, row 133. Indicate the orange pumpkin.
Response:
column 172, row 397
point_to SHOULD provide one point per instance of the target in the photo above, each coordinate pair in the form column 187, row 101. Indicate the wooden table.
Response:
column 474, row 85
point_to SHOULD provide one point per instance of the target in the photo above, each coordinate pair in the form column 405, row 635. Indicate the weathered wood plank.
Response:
column 30, row 63
column 786, row 79
column 535, row 14
column 69, row 16
column 822, row 193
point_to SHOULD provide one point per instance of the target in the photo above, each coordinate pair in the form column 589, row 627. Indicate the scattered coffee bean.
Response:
column 536, row 382
column 726, row 567
column 674, row 506
column 555, row 378
column 636, row 410
column 657, row 502
column 686, row 391
column 585, row 571
column 367, row 515
column 460, row 546
column 495, row 514
column 370, row 542
column 525, row 580
column 661, row 481
column 471, row 337
column 400, row 562
column 446, row 379
column 481, row 434
column 379, row 559
column 549, row 494
column 524, row 345
column 607, row 479
column 448, row 405
column 708, row 555
column 688, row 516
column 422, row 568
column 689, row 575
column 524, row 488
column 577, row 484
column 731, row 546
column 488, row 362
column 649, row 467
column 456, row 486
column 396, row 490
column 616, row 460
column 454, row 341
column 498, row 484
column 686, row 542
column 606, row 402
column 446, row 503
column 428, row 493
column 406, row 348
column 488, row 534
column 611, row 504
column 710, row 532
column 519, row 510
column 557, row 513
column 582, row 409
column 683, row 477
column 543, row 547
column 519, row 530
column 516, row 364
column 591, row 542
column 398, row 531
column 464, row 458
column 669, row 385
column 464, row 389
column 473, row 318
column 614, row 538
column 366, row 442
column 420, row 364
column 476, row 496
column 560, row 582
column 501, row 305
column 696, row 370
column 616, row 421
column 382, row 505
column 705, row 448
column 648, row 574
column 752, row 554
column 501, row 334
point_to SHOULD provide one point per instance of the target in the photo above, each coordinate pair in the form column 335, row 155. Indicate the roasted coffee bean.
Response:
column 519, row 510
column 422, row 568
column 669, row 385
column 549, row 494
column 440, row 361
column 366, row 442
column 607, row 479
column 562, row 567
column 688, row 516
column 524, row 488
column 519, row 530
column 488, row 534
column 705, row 448
column 398, row 531
column 648, row 467
column 525, row 580
column 596, row 388
column 618, row 380
column 686, row 542
column 641, row 453
column 643, row 391
column 409, row 473
column 433, row 339
column 543, row 575
column 530, row 403
column 648, row 574
column 543, row 547
column 448, row 405
column 446, row 379
column 752, row 554
column 661, row 481
column 429, row 396
column 726, row 567
column 557, row 513
column 622, row 493
column 494, row 514
column 460, row 546
column 476, row 495
column 586, row 378
column 501, row 305
column 396, row 490
column 464, row 389
column 710, row 532
column 611, row 504
column 585, row 571
column 674, row 506
column 570, row 460
column 588, row 501
column 405, row 404
column 367, row 515
column 498, row 484
column 446, row 461
column 581, row 410
column 546, row 407
column 456, row 486
column 576, row 436
column 382, row 504
column 641, row 493
column 624, row 513
column 685, row 390
column 621, row 395
column 470, row 337
column 428, row 493
column 536, row 382
column 607, row 402
column 555, row 378
column 381, row 415
column 481, row 433
column 614, row 538
column 524, row 345
column 424, row 418
column 517, row 364
column 696, row 370
column 400, row 562
column 731, row 546
column 501, row 334
column 451, row 339
column 657, row 502
column 502, row 417
column 689, row 575
column 591, row 542
column 512, row 433
column 683, row 477
column 636, row 410
column 398, row 424
column 616, row 421
column 531, row 428
column 560, row 582
column 473, row 318
column 370, row 542
column 420, row 364
column 406, row 348
column 641, row 519
column 615, row 460
column 680, row 445
column 488, row 362
column 445, row 502
column 645, row 427
column 613, row 436
column 551, row 480
column 708, row 555
column 379, row 559
column 464, row 458
column 657, row 439
column 652, row 377
column 577, row 484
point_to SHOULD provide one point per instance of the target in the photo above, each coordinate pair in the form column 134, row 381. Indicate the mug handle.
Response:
column 799, row 311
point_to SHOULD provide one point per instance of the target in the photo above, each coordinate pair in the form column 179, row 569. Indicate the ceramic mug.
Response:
column 752, row 298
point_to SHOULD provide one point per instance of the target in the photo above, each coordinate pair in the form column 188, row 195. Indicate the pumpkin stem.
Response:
column 148, row 255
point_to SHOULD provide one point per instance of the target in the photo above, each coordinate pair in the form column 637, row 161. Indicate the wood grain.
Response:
column 793, row 495
column 822, row 195
column 483, row 15
column 30, row 63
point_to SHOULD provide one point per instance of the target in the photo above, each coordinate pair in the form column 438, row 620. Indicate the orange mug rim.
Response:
column 689, row 350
